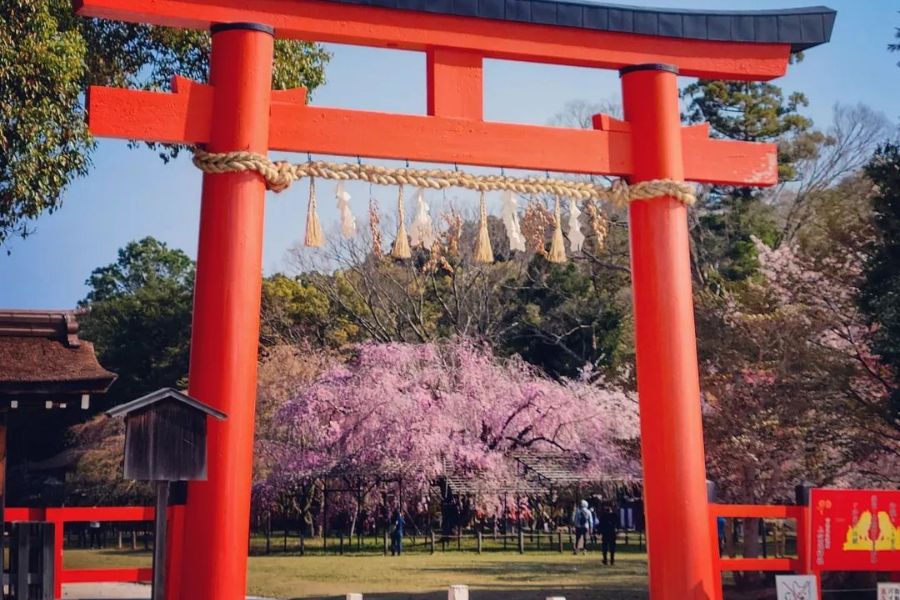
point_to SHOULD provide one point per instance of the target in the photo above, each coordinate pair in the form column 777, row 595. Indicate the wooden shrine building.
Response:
column 44, row 365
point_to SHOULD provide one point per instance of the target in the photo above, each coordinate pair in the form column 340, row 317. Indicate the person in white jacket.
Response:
column 583, row 522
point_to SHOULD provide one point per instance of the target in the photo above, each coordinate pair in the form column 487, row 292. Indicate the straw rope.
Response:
column 281, row 174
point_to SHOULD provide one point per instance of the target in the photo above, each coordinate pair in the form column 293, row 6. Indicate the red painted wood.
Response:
column 225, row 330
column 785, row 565
column 124, row 574
column 103, row 513
column 386, row 28
column 25, row 514
column 678, row 537
column 132, row 114
column 740, row 511
column 455, row 83
column 175, row 551
column 718, row 592
column 54, row 515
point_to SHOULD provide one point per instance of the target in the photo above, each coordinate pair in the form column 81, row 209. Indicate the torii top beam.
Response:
column 719, row 44
column 456, row 36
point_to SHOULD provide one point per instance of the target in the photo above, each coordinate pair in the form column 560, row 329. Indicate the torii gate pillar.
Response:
column 675, row 499
column 225, row 333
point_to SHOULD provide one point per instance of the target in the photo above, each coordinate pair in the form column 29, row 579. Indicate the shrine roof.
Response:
column 802, row 28
column 40, row 353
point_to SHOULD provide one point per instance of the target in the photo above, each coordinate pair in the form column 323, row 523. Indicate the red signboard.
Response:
column 855, row 530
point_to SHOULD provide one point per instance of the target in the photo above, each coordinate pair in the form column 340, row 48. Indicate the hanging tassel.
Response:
column 576, row 238
column 314, row 236
column 557, row 245
column 483, row 251
column 348, row 221
column 401, row 242
column 375, row 228
column 453, row 233
column 510, row 215
column 599, row 224
column 422, row 231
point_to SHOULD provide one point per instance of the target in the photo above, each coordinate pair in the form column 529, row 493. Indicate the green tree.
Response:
column 140, row 320
column 297, row 312
column 727, row 218
column 49, row 56
column 880, row 297
column 561, row 320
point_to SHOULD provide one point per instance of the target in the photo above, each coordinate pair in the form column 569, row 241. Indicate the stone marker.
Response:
column 458, row 592
column 354, row 597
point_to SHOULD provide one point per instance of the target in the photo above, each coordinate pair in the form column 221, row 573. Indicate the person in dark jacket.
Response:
column 397, row 525
column 609, row 528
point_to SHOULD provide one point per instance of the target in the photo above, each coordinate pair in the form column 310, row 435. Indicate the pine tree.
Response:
column 881, row 291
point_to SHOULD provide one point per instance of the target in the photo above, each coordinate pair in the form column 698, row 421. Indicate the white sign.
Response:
column 796, row 587
column 889, row 591
column 458, row 592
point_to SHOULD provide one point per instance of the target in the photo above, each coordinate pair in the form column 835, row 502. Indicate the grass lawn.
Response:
column 491, row 576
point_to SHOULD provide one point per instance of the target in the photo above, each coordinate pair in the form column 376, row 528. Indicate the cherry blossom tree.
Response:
column 408, row 412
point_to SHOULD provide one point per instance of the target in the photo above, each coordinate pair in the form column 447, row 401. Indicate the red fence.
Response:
column 802, row 564
column 60, row 516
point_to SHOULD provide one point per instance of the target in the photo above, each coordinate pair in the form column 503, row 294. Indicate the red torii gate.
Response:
column 239, row 111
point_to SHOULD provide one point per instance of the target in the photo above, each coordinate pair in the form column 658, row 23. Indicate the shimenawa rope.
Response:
column 281, row 174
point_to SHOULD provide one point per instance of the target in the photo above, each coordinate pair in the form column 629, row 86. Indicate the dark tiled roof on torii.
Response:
column 802, row 28
column 40, row 353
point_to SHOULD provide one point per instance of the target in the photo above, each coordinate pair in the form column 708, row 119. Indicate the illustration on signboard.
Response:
column 868, row 533
column 796, row 587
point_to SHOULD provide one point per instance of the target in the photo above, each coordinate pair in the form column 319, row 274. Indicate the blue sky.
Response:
column 130, row 194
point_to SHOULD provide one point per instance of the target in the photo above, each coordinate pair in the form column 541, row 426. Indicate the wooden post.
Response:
column 325, row 516
column 459, row 538
column 479, row 541
column 521, row 541
column 341, row 543
column 4, row 415
column 385, row 541
column 560, row 542
column 432, row 541
column 158, row 591
column 47, row 541
column 23, row 550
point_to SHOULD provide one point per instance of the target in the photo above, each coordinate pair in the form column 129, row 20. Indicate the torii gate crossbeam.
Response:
column 238, row 111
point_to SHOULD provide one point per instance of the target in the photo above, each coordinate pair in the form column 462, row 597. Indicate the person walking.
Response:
column 609, row 529
column 582, row 521
column 721, row 527
column 397, row 525
column 95, row 535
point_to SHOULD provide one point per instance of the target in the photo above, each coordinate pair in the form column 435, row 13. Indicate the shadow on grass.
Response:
column 480, row 593
column 112, row 551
